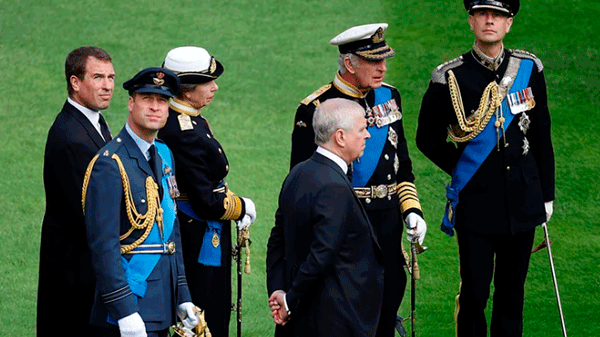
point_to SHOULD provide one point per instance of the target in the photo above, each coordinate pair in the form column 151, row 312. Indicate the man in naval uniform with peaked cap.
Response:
column 131, row 221
column 382, row 178
column 491, row 103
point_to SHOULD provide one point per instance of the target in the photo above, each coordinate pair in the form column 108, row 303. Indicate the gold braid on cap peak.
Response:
column 137, row 220
column 407, row 196
column 233, row 206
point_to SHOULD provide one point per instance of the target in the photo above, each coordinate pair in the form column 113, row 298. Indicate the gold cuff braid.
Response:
column 233, row 206
column 407, row 196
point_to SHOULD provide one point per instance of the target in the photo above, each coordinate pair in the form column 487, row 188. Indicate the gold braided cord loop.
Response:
column 86, row 180
column 471, row 126
column 137, row 220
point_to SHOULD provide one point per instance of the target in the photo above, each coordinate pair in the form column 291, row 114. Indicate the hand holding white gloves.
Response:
column 549, row 205
column 416, row 228
column 244, row 222
column 132, row 326
column 187, row 314
column 250, row 210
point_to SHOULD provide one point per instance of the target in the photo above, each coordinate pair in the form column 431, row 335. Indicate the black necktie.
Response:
column 155, row 164
column 349, row 173
column 104, row 129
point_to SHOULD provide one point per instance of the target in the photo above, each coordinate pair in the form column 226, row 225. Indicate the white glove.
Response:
column 245, row 222
column 188, row 315
column 250, row 209
column 132, row 326
column 416, row 228
column 549, row 209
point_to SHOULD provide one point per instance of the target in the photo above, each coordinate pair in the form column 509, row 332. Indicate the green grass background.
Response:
column 275, row 53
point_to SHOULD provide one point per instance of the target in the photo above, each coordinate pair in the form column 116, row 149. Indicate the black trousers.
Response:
column 505, row 258
column 210, row 287
column 388, row 227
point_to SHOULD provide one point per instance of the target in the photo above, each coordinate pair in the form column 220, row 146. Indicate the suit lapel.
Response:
column 326, row 161
column 85, row 123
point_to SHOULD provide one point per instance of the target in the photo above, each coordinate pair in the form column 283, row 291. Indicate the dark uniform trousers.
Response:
column 216, row 302
column 503, row 202
column 477, row 267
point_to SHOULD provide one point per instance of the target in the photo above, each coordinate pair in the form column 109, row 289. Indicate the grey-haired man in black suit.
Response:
column 324, row 264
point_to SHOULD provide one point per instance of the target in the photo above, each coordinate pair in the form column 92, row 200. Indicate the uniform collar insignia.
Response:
column 492, row 63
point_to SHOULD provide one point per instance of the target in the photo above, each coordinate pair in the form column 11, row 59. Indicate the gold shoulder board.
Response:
column 316, row 94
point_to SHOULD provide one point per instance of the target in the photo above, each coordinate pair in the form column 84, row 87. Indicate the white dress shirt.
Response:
column 91, row 115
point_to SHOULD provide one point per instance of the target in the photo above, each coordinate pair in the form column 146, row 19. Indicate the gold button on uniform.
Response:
column 208, row 135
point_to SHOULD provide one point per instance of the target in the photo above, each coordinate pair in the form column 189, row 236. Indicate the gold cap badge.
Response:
column 158, row 80
column 378, row 37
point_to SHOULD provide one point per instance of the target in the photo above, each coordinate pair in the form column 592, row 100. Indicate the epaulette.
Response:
column 316, row 94
column 439, row 73
column 111, row 147
column 527, row 55
column 107, row 151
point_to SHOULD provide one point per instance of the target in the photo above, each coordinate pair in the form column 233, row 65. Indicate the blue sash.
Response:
column 209, row 254
column 478, row 149
column 140, row 266
column 363, row 168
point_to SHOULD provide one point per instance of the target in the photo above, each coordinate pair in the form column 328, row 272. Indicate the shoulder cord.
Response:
column 469, row 127
column 138, row 221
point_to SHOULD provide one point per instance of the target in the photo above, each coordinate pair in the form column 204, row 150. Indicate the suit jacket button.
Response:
column 368, row 200
column 386, row 157
column 508, row 168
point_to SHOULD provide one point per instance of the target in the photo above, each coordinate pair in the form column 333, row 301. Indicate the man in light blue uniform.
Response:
column 131, row 222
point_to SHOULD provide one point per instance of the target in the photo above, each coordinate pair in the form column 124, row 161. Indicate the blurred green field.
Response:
column 275, row 53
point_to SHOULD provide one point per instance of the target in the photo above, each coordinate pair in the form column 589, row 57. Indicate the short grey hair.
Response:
column 335, row 114
column 353, row 59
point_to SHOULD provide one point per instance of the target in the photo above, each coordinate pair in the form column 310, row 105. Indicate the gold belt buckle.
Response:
column 380, row 191
column 171, row 248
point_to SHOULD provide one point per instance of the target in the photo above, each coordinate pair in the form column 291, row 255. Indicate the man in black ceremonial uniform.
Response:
column 491, row 102
column 206, row 204
column 382, row 178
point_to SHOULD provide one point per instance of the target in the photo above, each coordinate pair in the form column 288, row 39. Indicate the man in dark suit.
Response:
column 131, row 221
column 501, row 161
column 66, row 281
column 324, row 264
column 383, row 178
